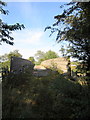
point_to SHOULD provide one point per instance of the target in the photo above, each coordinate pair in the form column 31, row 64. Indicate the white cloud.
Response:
column 31, row 52
column 31, row 37
column 28, row 42
column 27, row 52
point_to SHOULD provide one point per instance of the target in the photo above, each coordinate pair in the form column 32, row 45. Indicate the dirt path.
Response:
column 40, row 71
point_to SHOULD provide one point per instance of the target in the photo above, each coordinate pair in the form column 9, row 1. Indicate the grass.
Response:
column 53, row 96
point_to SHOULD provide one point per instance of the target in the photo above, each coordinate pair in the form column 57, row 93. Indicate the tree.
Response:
column 5, row 29
column 32, row 59
column 50, row 54
column 14, row 53
column 63, row 51
column 5, row 59
column 76, row 29
column 41, row 56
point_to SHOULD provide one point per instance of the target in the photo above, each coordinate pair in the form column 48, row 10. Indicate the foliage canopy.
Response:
column 76, row 29
column 31, row 59
column 5, row 59
column 5, row 29
column 41, row 56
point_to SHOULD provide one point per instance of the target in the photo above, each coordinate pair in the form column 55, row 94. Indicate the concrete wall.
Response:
column 18, row 64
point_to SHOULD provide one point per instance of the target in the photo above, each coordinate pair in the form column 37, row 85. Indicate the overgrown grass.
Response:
column 53, row 96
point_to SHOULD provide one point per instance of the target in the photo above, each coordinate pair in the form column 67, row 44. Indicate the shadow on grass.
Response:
column 52, row 96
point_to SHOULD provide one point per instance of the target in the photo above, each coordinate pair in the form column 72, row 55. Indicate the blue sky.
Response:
column 35, row 16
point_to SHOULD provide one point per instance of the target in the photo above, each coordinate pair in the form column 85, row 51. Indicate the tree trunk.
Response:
column 88, row 69
column 69, row 68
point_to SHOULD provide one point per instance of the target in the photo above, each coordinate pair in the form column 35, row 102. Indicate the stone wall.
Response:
column 19, row 64
column 59, row 63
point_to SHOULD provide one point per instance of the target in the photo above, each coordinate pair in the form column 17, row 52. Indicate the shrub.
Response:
column 52, row 96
